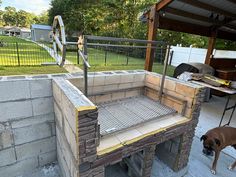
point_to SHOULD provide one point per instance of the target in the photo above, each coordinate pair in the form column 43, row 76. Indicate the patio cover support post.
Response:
column 152, row 32
column 211, row 46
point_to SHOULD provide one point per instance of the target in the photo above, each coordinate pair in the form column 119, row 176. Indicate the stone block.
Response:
column 32, row 133
column 20, row 168
column 41, row 88
column 98, row 89
column 62, row 163
column 7, row 157
column 47, row 158
column 15, row 110
column 35, row 148
column 6, row 139
column 112, row 87
column 33, row 120
column 42, row 106
column 125, row 85
column 14, row 90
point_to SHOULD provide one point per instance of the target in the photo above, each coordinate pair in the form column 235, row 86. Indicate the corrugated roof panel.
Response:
column 37, row 26
column 222, row 4
column 188, row 20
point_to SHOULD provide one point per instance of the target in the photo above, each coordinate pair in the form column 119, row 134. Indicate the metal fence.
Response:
column 23, row 54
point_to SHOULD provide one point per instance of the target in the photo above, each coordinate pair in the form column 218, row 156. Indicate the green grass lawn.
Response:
column 30, row 70
column 28, row 53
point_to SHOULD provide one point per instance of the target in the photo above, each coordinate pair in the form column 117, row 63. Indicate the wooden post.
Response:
column 152, row 32
column 211, row 46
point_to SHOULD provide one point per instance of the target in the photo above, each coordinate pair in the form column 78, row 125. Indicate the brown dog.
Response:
column 217, row 139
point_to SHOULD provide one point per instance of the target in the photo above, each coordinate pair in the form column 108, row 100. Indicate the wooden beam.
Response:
column 159, row 5
column 162, row 4
column 153, row 21
column 232, row 1
column 179, row 26
column 208, row 7
column 211, row 46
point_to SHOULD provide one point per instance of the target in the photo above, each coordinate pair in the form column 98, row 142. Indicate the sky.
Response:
column 34, row 6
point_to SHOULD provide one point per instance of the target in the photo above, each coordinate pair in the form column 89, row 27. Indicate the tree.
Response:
column 9, row 16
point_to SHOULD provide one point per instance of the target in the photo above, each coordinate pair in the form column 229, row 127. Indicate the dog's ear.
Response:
column 204, row 137
column 217, row 141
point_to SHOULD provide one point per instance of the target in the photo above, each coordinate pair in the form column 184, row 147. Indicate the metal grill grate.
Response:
column 123, row 114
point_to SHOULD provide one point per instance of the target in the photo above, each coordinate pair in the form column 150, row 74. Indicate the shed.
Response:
column 41, row 32
column 25, row 33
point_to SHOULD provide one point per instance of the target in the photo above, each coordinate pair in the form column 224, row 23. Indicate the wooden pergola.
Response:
column 212, row 18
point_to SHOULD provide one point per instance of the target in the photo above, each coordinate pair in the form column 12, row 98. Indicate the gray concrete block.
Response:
column 56, row 92
column 35, row 148
column 58, row 116
column 41, row 88
column 47, row 158
column 6, row 139
column 33, row 120
column 32, row 133
column 62, row 163
column 14, row 90
column 7, row 157
column 15, row 110
column 20, row 168
column 42, row 106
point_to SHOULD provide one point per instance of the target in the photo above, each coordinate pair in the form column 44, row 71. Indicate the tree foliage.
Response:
column 11, row 17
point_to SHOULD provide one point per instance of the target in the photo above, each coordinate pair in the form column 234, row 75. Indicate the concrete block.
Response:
column 118, row 95
column 98, row 80
column 47, row 158
column 103, row 98
column 33, row 120
column 41, row 88
column 111, row 87
column 125, row 85
column 15, row 110
column 20, row 168
column 78, row 82
column 185, row 90
column 6, row 139
column 153, row 79
column 69, row 112
column 113, row 79
column 139, row 77
column 170, row 85
column 132, row 93
column 71, row 139
column 42, row 106
column 14, row 90
column 58, row 116
column 138, row 84
column 35, row 148
column 98, row 89
column 32, row 133
column 62, row 163
column 56, row 92
column 7, row 157
column 127, row 78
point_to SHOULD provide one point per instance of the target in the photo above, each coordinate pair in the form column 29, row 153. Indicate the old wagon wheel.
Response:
column 59, row 40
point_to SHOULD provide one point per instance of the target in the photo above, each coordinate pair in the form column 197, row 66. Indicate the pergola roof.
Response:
column 199, row 17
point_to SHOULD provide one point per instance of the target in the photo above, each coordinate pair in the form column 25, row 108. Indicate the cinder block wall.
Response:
column 27, row 126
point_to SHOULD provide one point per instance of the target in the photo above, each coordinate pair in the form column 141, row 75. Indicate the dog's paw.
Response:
column 230, row 168
column 213, row 171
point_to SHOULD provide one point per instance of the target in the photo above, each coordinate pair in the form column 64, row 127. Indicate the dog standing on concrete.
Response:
column 217, row 139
